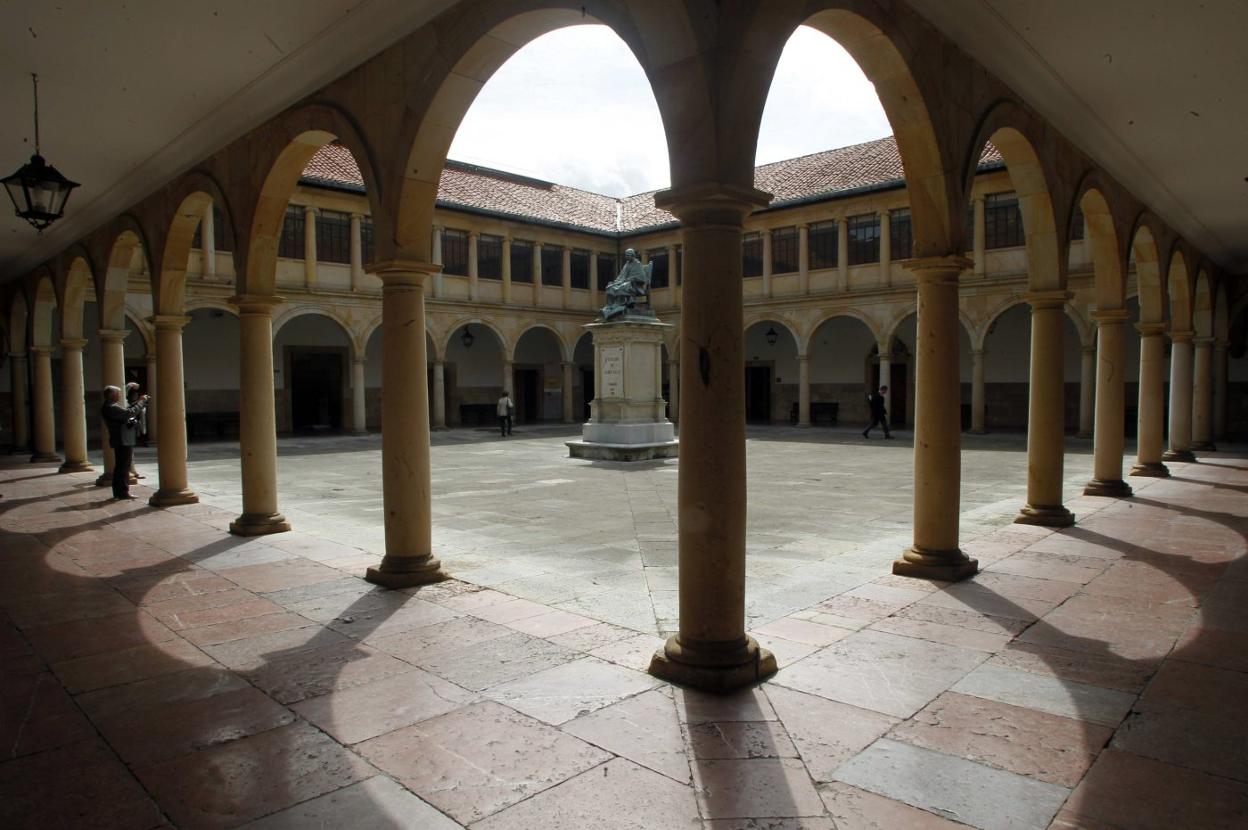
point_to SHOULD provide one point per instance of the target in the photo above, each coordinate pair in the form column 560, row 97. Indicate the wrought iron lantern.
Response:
column 466, row 338
column 772, row 336
column 38, row 190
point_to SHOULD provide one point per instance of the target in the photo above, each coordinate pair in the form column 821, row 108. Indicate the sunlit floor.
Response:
column 157, row 671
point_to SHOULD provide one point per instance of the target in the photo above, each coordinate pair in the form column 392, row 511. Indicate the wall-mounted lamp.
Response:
column 772, row 336
column 466, row 338
column 38, row 191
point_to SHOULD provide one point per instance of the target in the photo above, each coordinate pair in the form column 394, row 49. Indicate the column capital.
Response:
column 359, row 360
column 1054, row 298
column 395, row 273
column 474, row 234
column 803, row 358
column 38, row 350
column 1088, row 350
column 1220, row 345
column 17, row 355
column 711, row 203
column 437, row 363
column 1111, row 316
column 357, row 217
column 978, row 352
column 1198, row 342
column 110, row 335
column 310, row 209
column 1182, row 336
column 73, row 343
column 1150, row 329
column 568, row 364
column 255, row 303
column 170, row 322
column 939, row 268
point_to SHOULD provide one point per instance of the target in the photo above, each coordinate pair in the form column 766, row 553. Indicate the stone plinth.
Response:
column 627, row 417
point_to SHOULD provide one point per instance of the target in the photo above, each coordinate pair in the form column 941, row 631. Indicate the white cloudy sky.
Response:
column 574, row 107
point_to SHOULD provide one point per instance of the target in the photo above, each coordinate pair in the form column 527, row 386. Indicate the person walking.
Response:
column 123, row 426
column 879, row 413
column 505, row 409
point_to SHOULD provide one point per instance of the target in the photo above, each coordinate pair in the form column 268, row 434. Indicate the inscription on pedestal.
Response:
column 612, row 372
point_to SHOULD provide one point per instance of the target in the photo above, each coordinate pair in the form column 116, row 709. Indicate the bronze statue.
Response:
column 632, row 283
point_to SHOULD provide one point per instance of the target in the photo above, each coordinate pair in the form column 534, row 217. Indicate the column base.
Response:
column 1113, row 488
column 1045, row 516
column 1204, row 446
column 1178, row 455
column 948, row 565
column 711, row 669
column 1151, row 469
column 259, row 524
column 172, row 498
column 406, row 571
column 41, row 457
column 76, row 467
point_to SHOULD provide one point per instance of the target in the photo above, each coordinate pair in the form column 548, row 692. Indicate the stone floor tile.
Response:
column 619, row 795
column 854, row 608
column 879, row 671
column 951, row 635
column 477, row 760
column 1146, row 583
column 826, row 733
column 87, row 601
column 510, row 611
column 251, row 606
column 310, row 672
column 975, row 600
column 1108, row 670
column 567, row 691
column 1213, row 647
column 375, row 804
column 1056, row 566
column 1205, row 740
column 749, row 704
column 1026, row 741
column 170, row 611
column 148, row 590
column 963, row 618
column 495, row 661
column 755, row 788
column 251, row 653
column 1017, row 587
column 971, row 793
column 893, row 596
column 383, row 621
column 1108, row 624
column 643, row 729
column 472, row 600
column 453, row 635
column 280, row 575
column 36, row 714
column 128, row 665
column 856, row 809
column 142, row 695
column 344, row 585
column 785, row 651
column 227, row 785
column 372, row 709
column 245, row 629
column 1125, row 790
column 551, row 623
column 804, row 631
column 82, row 638
column 1203, row 688
column 634, row 652
column 740, row 739
column 1066, row 698
column 82, row 785
column 804, row 823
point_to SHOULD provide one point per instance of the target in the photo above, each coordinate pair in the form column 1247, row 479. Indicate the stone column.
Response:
column 1087, row 392
column 44, row 426
column 1150, row 430
column 208, row 242
column 508, row 376
column 842, row 254
column 149, row 361
column 171, row 447
column 803, row 259
column 1180, row 398
column 436, row 257
column 803, row 390
column 712, row 650
column 73, row 408
column 565, row 279
column 937, row 427
column 357, row 253
column 439, row 395
column 359, row 399
column 1046, row 427
column 979, row 237
column 19, row 381
column 1219, row 390
column 568, row 416
column 507, row 269
column 673, row 390
column 672, row 280
column 886, row 248
column 1109, row 441
column 405, row 469
column 979, row 421
column 537, row 273
column 257, row 437
column 473, row 272
column 113, row 372
column 309, row 248
column 1202, row 395
column 593, row 280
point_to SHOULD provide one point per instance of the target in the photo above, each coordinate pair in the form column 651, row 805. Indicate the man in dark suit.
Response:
column 123, row 429
column 879, row 414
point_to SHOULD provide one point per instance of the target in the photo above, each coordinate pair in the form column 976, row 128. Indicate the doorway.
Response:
column 316, row 390
column 528, row 393
column 898, row 373
column 587, row 391
column 758, row 394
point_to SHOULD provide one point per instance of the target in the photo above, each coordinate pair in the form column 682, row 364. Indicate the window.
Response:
column 752, row 255
column 490, row 257
column 218, row 232
column 864, row 238
column 680, row 265
column 333, row 237
column 367, row 250
column 552, row 265
column 1076, row 224
column 521, row 261
column 900, row 240
column 580, row 269
column 290, row 243
column 822, row 245
column 606, row 270
column 784, row 250
column 454, row 252
column 658, row 267
column 1003, row 223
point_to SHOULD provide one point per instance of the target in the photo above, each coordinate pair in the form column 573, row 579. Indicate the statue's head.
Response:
column 630, row 254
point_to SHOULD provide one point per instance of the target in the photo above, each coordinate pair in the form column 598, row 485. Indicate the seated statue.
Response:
column 623, row 291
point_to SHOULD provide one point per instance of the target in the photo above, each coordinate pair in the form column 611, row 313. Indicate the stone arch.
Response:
column 1221, row 314
column 804, row 343
column 1101, row 236
column 144, row 328
column 288, row 313
column 169, row 286
column 910, row 309
column 1179, row 290
column 127, row 245
column 798, row 341
column 1016, row 135
column 1202, row 305
column 77, row 284
column 217, row 303
column 1084, row 328
column 564, row 353
column 1148, row 276
column 507, row 347
column 42, row 310
column 371, row 327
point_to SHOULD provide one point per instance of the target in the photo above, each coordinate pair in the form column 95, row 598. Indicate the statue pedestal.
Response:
column 627, row 417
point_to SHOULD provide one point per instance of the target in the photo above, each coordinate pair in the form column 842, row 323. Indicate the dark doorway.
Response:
column 528, row 384
column 316, row 390
column 896, row 391
column 758, row 394
column 587, row 390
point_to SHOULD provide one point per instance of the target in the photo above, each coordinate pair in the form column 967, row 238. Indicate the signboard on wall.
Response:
column 611, row 361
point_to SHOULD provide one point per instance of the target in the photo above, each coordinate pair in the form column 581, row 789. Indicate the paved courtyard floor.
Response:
column 155, row 671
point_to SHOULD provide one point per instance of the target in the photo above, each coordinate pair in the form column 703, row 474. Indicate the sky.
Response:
column 574, row 107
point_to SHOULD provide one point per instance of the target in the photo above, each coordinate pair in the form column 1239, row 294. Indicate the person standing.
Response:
column 505, row 409
column 879, row 413
column 123, row 426
column 132, row 398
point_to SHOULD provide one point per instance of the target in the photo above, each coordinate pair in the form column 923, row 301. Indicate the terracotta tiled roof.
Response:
column 870, row 165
